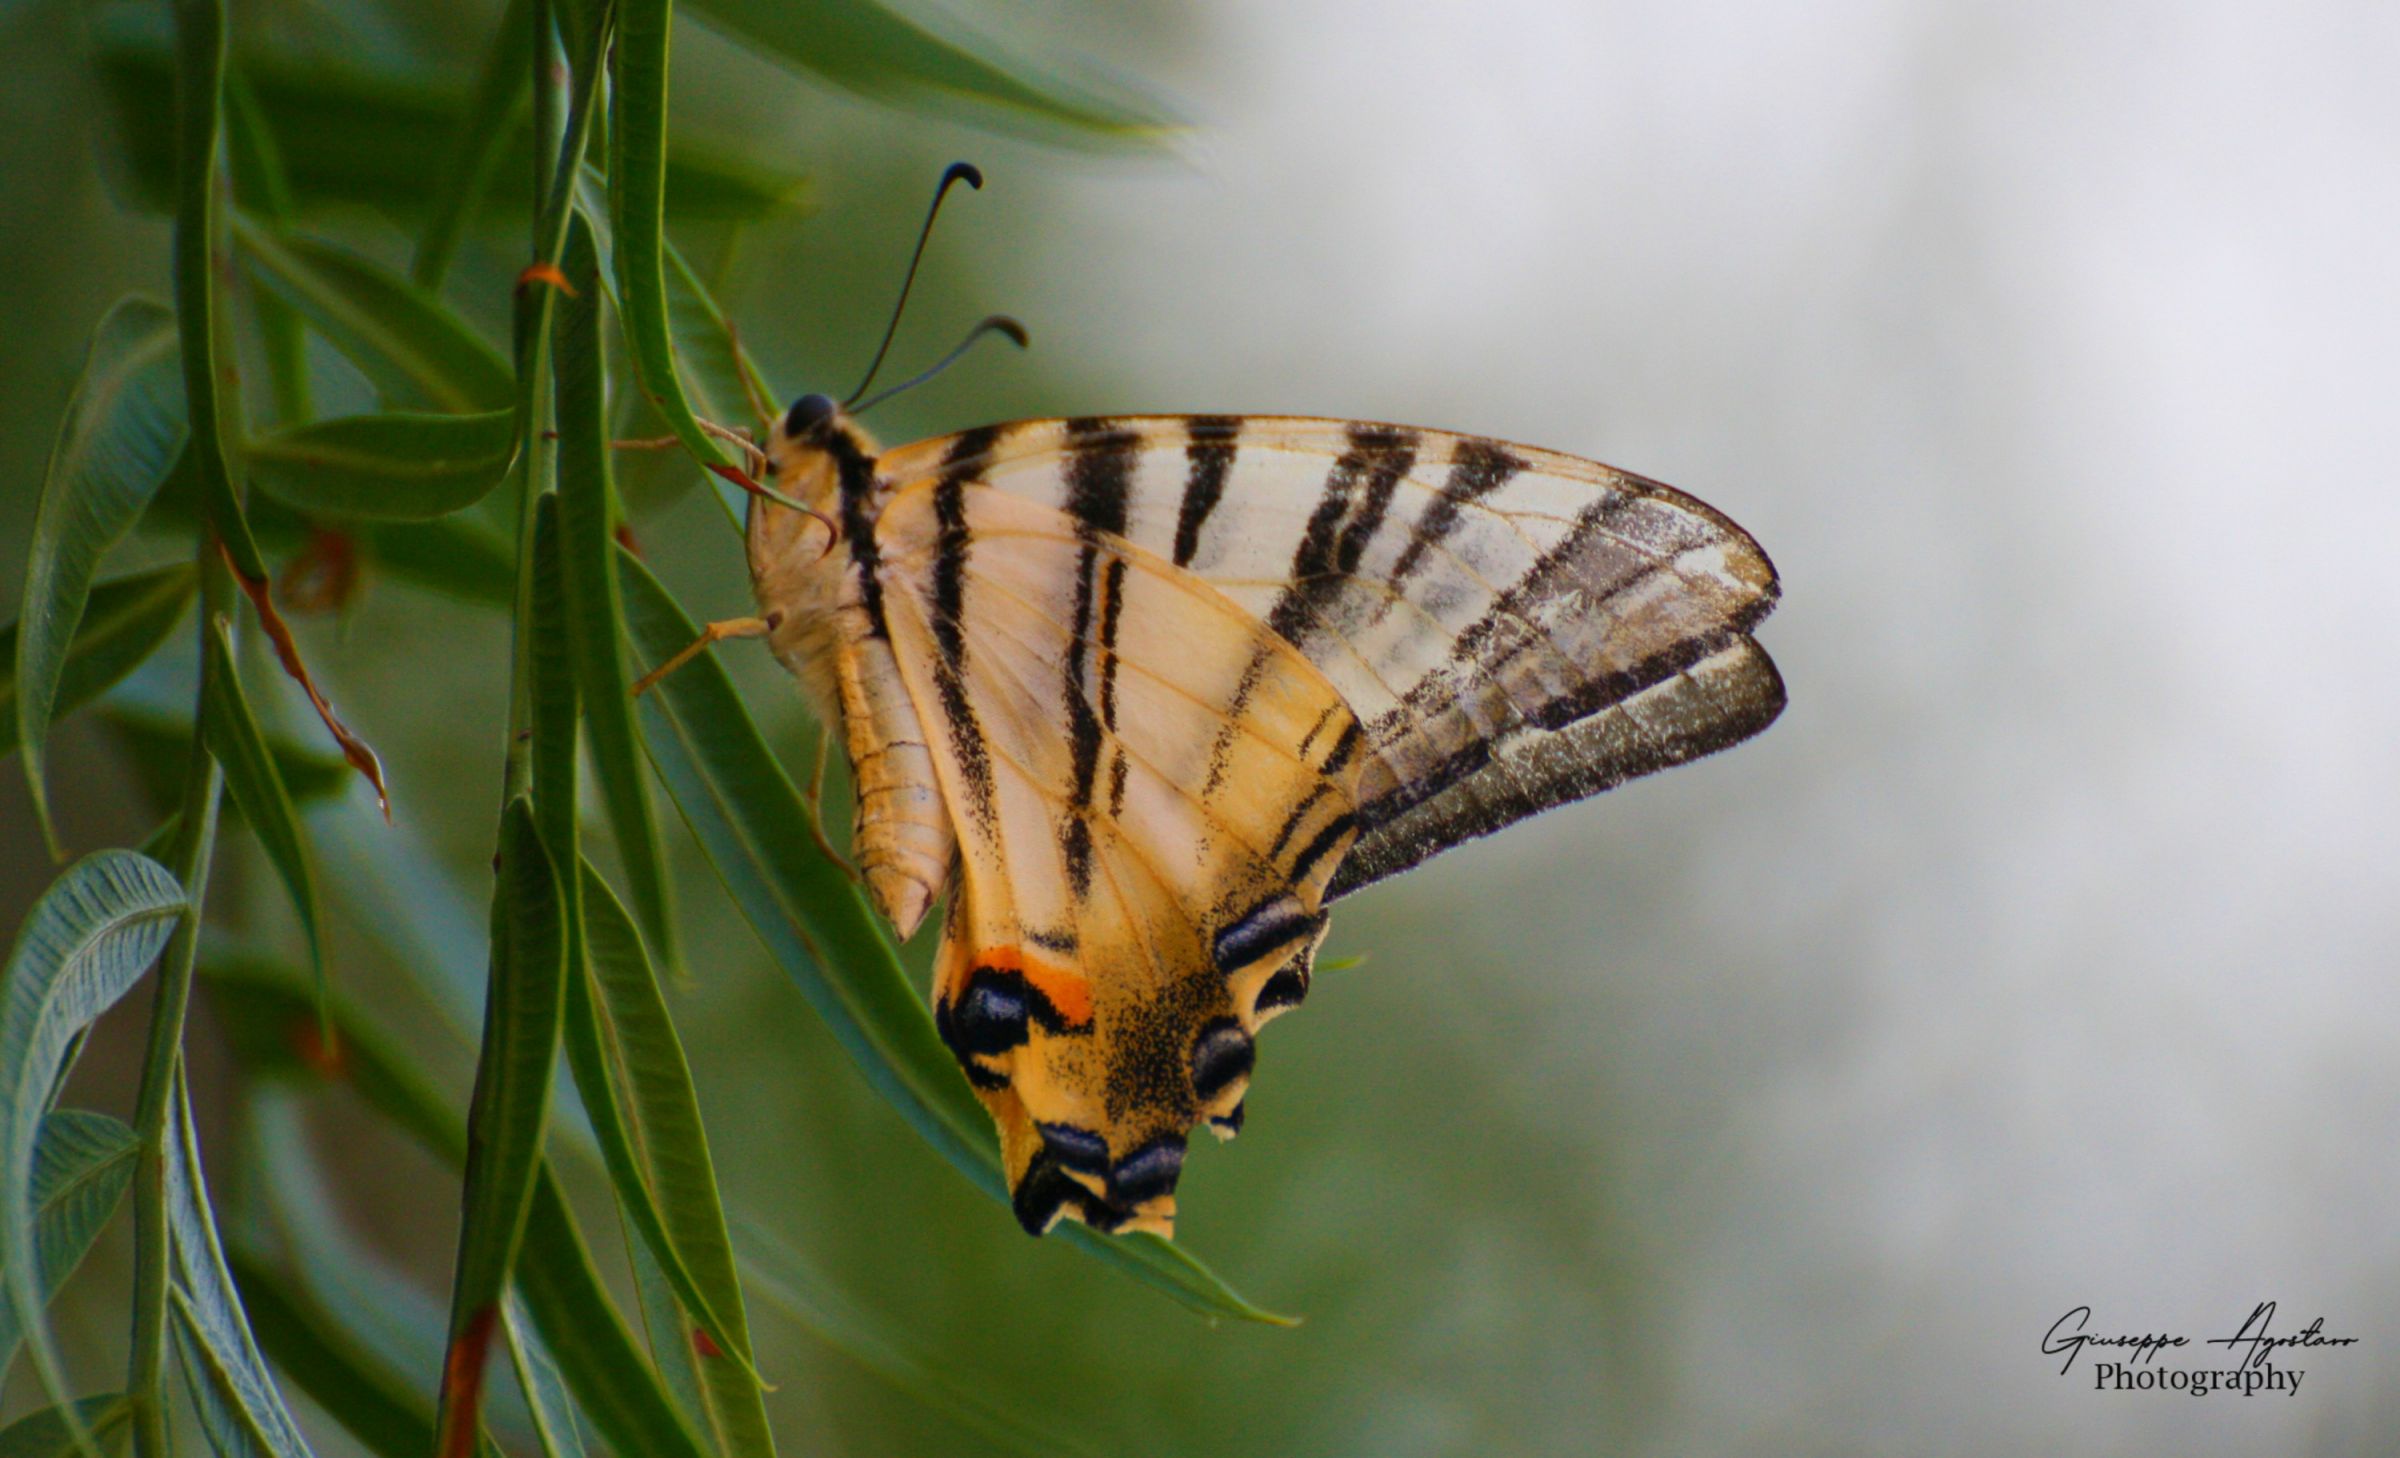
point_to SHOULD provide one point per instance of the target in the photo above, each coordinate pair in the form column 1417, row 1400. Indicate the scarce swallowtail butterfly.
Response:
column 1142, row 696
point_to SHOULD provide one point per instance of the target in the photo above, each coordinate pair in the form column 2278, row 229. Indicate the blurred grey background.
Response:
column 2042, row 955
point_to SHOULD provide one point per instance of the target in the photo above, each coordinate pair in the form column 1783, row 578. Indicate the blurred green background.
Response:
column 2042, row 955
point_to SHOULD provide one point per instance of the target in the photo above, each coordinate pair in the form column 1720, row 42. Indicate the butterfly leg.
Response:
column 816, row 810
column 712, row 634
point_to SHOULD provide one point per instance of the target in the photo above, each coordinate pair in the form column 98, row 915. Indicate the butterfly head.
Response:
column 819, row 457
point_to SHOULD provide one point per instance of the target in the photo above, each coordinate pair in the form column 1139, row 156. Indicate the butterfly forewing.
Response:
column 1514, row 628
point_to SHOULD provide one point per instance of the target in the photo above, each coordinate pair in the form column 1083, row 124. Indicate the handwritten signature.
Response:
column 2069, row 1335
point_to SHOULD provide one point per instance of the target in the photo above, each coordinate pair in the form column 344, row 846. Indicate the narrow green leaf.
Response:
column 630, row 1068
column 232, row 1429
column 637, row 178
column 724, row 380
column 745, row 813
column 669, row 1332
column 385, row 1415
column 593, row 608
column 256, row 784
column 786, row 1284
column 402, row 337
column 457, row 556
column 494, row 112
column 354, row 1300
column 208, row 408
column 885, row 50
column 123, row 623
column 87, row 940
column 262, row 1007
column 512, row 1102
column 240, row 1409
column 399, row 466
column 122, row 433
column 554, row 1424
column 82, row 1164
column 460, row 556
column 268, row 1016
column 389, row 883
column 554, row 716
column 612, row 1383
column 49, row 1434
column 381, row 138
column 157, row 744
column 261, row 185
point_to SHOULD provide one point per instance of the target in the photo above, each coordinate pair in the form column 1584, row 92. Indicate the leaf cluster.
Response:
column 483, row 470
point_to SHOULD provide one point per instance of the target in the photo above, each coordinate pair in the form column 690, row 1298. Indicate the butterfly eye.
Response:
column 807, row 413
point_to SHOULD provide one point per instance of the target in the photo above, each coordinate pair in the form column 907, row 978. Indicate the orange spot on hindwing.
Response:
column 1067, row 990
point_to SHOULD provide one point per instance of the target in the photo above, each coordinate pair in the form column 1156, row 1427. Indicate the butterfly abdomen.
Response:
column 823, row 601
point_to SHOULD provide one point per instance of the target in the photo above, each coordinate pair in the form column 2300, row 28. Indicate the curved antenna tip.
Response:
column 966, row 172
column 1002, row 324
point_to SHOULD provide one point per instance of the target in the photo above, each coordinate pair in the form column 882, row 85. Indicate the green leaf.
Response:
column 787, row 1285
column 603, row 1367
column 494, row 112
column 630, row 1068
column 723, row 380
column 554, row 1424
column 402, row 337
column 381, row 139
column 511, row 1104
column 199, row 86
column 669, row 1332
column 637, row 177
column 81, row 1166
column 399, row 466
column 553, row 715
column 460, row 556
column 884, row 50
column 745, row 813
column 385, row 1415
column 240, row 1409
column 354, row 1300
column 267, row 1014
column 262, row 1007
column 457, row 556
column 124, row 621
column 593, row 609
column 257, row 787
column 259, row 184
column 49, row 1434
column 85, row 943
column 122, row 433
column 157, row 744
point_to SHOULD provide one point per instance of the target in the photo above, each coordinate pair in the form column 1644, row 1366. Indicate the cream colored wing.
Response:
column 1151, row 791
column 1514, row 628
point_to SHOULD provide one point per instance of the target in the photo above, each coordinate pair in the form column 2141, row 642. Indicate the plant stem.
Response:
column 195, row 842
column 559, row 143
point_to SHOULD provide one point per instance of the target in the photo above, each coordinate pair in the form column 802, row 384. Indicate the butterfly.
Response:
column 1139, row 697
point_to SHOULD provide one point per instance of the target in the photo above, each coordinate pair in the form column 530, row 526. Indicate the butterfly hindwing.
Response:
column 1513, row 628
column 1151, row 793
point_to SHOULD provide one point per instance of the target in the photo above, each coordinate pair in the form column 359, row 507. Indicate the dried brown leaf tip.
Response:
column 287, row 652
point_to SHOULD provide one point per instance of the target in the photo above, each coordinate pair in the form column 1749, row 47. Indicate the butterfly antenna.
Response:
column 958, row 172
column 994, row 324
